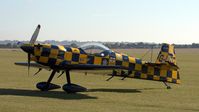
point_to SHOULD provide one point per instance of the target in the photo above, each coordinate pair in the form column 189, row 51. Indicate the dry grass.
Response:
column 18, row 92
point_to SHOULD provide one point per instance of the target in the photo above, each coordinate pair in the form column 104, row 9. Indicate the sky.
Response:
column 159, row 21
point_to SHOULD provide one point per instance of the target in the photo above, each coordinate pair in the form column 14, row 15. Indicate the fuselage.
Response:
column 63, row 58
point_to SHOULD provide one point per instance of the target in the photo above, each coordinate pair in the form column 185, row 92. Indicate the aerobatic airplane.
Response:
column 64, row 59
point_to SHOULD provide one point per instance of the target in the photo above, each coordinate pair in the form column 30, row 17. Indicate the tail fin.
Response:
column 167, row 54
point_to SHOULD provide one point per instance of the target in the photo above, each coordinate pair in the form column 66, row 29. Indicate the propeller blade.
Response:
column 35, row 34
column 28, row 63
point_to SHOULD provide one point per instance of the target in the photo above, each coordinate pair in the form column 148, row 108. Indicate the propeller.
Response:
column 35, row 34
column 28, row 64
column 32, row 41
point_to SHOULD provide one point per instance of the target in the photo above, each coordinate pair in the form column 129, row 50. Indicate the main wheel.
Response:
column 44, row 86
column 73, row 88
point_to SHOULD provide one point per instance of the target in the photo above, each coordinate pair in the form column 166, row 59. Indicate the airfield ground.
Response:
column 19, row 94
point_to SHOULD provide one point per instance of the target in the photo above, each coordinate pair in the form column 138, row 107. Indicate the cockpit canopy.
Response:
column 94, row 46
column 96, row 49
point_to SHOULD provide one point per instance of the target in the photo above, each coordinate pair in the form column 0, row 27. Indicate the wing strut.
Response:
column 113, row 74
column 60, row 74
column 125, row 75
column 37, row 71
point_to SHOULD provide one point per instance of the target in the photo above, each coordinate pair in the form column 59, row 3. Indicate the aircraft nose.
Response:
column 27, row 48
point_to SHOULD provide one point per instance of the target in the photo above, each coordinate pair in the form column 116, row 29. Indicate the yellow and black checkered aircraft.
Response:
column 59, row 58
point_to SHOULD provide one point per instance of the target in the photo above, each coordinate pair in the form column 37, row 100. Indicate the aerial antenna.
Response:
column 151, row 53
column 147, row 52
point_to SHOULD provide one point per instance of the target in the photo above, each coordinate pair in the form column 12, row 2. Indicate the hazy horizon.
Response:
column 158, row 21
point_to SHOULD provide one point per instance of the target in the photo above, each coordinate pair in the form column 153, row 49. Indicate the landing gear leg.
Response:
column 72, row 88
column 168, row 87
column 50, row 78
column 45, row 86
column 68, row 76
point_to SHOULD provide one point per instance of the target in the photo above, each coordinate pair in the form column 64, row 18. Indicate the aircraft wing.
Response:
column 91, row 67
column 71, row 66
column 32, row 64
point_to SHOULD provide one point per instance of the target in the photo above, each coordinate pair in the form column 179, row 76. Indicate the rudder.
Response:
column 167, row 54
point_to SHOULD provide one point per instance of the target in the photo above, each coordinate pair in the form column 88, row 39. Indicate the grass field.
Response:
column 19, row 94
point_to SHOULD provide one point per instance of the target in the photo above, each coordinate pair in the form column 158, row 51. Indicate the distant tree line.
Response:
column 124, row 45
column 112, row 45
column 8, row 45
